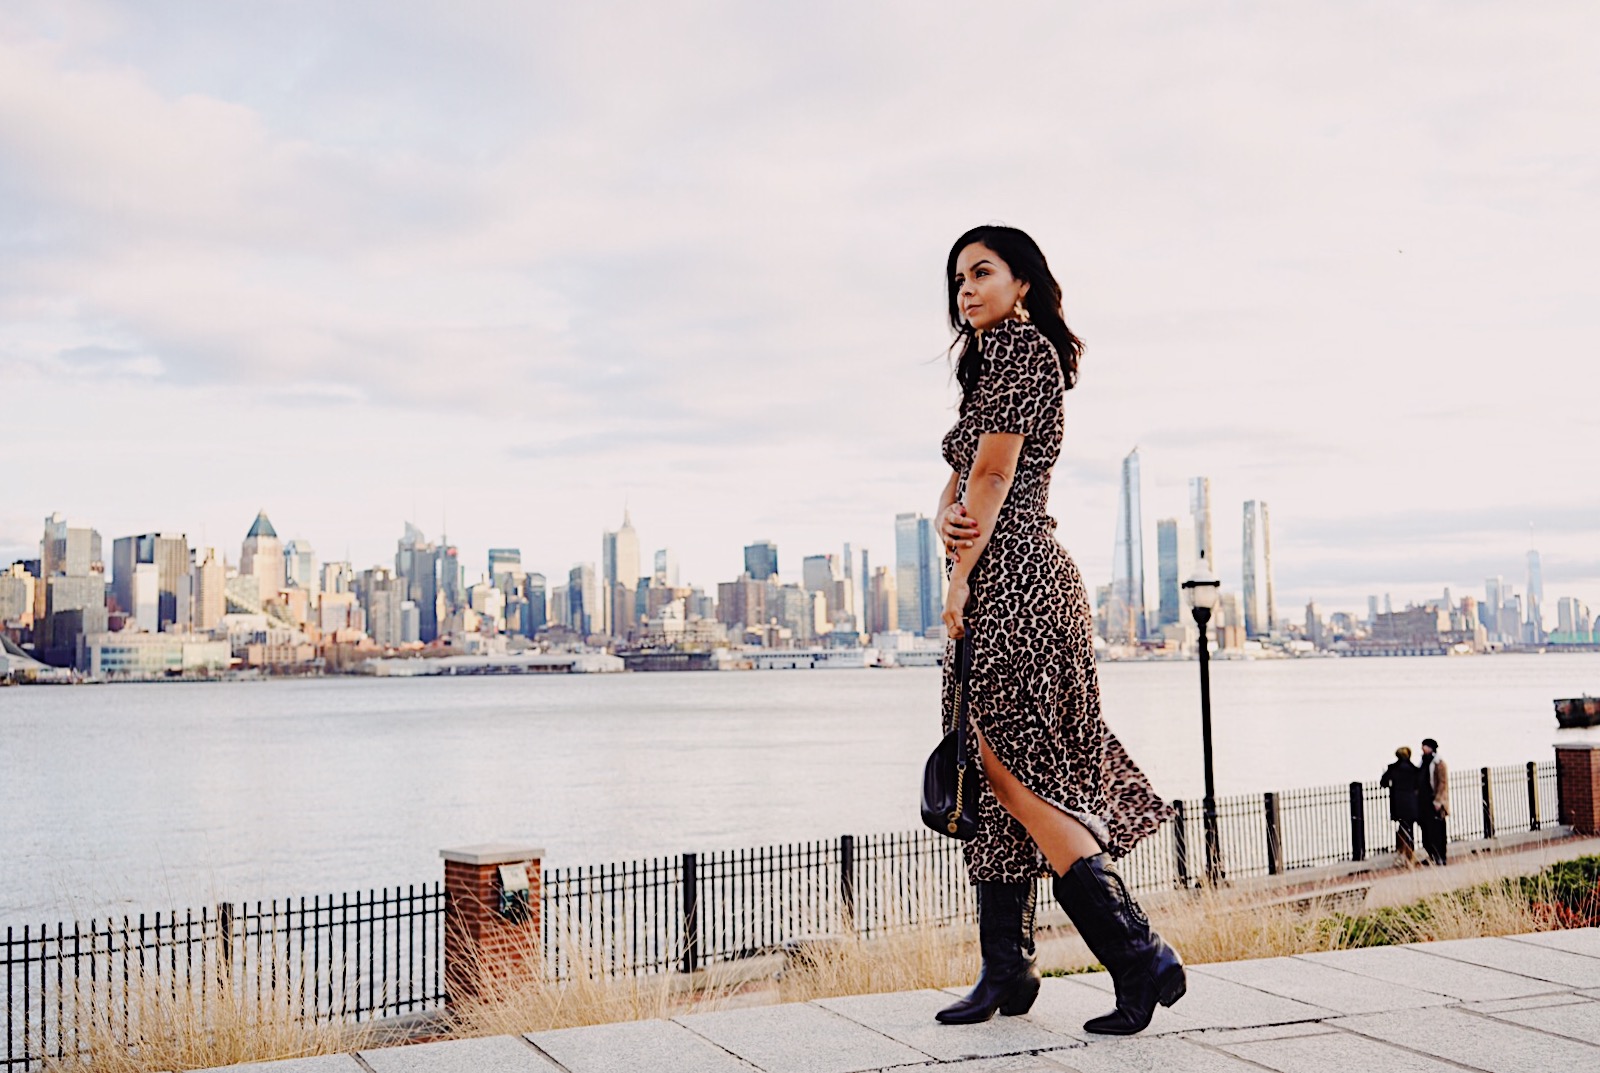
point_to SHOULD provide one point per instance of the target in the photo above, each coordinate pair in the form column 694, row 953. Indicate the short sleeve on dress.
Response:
column 1020, row 376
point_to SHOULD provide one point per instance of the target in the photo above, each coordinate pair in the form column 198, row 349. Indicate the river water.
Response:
column 138, row 797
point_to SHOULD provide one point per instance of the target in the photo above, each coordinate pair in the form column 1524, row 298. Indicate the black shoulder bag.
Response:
column 950, row 779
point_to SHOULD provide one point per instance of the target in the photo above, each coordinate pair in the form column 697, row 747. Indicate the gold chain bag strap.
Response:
column 949, row 788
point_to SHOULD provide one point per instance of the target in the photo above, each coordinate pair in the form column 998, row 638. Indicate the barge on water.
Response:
column 1581, row 711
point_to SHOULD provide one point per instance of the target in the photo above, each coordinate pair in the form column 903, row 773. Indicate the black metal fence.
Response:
column 355, row 957
column 326, row 958
column 688, row 912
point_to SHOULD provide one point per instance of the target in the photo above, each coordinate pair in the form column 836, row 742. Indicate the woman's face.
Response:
column 986, row 291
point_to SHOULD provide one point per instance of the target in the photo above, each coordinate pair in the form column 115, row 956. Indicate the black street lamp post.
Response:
column 1202, row 590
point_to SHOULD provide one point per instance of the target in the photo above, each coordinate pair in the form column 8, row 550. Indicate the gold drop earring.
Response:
column 1020, row 310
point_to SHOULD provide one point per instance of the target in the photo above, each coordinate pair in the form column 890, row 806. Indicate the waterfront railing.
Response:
column 356, row 957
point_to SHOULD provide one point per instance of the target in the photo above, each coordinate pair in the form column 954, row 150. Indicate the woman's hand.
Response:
column 955, row 608
column 957, row 529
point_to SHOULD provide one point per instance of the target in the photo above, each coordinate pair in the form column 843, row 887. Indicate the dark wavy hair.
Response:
column 1043, row 303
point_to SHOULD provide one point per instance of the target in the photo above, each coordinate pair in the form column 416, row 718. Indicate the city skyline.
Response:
column 1340, row 265
column 1173, row 559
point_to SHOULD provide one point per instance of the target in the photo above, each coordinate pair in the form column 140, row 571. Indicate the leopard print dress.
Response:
column 1034, row 691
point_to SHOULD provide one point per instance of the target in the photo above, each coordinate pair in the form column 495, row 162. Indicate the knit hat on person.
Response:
column 1430, row 743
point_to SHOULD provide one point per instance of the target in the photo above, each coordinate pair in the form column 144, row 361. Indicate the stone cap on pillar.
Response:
column 489, row 853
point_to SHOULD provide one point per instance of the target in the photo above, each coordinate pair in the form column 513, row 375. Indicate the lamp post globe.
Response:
column 1202, row 591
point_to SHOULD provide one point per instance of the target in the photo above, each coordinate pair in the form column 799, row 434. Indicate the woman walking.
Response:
column 1061, row 796
column 1404, row 780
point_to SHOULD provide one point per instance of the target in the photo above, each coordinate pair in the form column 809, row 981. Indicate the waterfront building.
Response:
column 883, row 611
column 1573, row 622
column 130, row 655
column 16, row 597
column 919, row 573
column 300, row 565
column 1200, row 517
column 1227, row 622
column 1316, row 629
column 666, row 568
column 262, row 558
column 761, row 560
column 866, row 585
column 1416, row 631
column 74, row 608
column 416, row 561
column 1266, row 569
column 1175, row 559
column 210, row 591
column 1125, row 618
column 795, row 608
column 70, row 592
column 170, row 556
column 1490, row 608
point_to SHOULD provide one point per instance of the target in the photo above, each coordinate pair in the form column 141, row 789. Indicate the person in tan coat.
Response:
column 1435, row 802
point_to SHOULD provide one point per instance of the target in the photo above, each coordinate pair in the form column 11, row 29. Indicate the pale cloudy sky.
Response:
column 520, row 263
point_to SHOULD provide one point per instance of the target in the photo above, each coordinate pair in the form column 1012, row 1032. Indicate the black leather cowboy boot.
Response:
column 1143, row 967
column 1009, row 981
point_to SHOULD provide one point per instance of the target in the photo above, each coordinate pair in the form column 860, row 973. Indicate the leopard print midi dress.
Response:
column 1033, row 688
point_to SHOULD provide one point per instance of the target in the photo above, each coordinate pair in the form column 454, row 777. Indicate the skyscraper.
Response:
column 300, row 565
column 70, row 596
column 504, row 561
column 919, row 573
column 1126, row 611
column 761, row 560
column 1535, row 604
column 1174, row 560
column 1490, row 609
column 538, row 608
column 170, row 555
column 416, row 561
column 584, row 600
column 666, row 569
column 1266, row 567
column 619, row 563
column 1258, row 568
column 210, row 591
column 1200, row 513
column 262, row 557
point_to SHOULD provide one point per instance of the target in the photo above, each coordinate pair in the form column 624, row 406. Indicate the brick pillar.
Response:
column 1578, row 785
column 478, row 939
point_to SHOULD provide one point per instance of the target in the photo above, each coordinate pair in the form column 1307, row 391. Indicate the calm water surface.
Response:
column 137, row 797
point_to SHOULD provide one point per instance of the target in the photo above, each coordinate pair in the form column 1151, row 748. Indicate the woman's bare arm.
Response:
column 993, row 470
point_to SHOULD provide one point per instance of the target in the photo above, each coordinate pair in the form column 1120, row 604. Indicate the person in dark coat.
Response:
column 1403, row 778
column 1433, row 786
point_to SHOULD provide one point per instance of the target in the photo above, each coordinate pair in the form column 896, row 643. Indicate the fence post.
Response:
column 1274, row 836
column 1180, row 843
column 1488, row 803
column 691, row 912
column 493, row 915
column 1533, row 795
column 224, row 940
column 1358, row 822
column 847, row 881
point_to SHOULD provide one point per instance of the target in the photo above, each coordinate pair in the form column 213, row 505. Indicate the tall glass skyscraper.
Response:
column 1126, row 622
column 1252, row 603
column 1200, row 513
column 918, row 573
column 1174, row 559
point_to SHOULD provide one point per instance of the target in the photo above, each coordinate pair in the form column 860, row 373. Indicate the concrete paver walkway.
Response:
column 1524, row 1003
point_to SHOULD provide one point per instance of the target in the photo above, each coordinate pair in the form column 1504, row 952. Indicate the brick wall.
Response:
column 1578, row 785
column 481, row 944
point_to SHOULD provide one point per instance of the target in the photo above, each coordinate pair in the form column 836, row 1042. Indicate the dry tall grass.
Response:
column 195, row 1024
